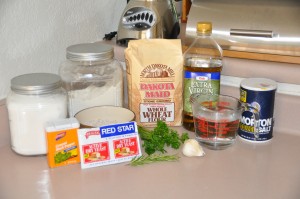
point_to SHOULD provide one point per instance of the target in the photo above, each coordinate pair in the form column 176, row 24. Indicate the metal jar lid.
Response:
column 259, row 84
column 90, row 52
column 35, row 83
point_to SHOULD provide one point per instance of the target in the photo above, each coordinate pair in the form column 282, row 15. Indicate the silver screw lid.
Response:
column 90, row 52
column 35, row 83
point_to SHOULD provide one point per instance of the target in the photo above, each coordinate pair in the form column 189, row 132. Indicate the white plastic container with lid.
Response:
column 34, row 99
column 92, row 77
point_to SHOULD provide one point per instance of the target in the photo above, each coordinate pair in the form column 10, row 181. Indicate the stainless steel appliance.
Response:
column 259, row 26
column 146, row 19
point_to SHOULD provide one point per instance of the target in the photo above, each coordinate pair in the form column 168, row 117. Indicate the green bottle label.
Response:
column 200, row 82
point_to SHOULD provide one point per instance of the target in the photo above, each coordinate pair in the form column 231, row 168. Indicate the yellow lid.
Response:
column 204, row 27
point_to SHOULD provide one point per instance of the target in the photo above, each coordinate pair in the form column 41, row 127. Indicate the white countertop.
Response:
column 245, row 170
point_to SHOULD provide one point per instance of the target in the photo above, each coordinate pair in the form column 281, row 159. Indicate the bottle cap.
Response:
column 204, row 27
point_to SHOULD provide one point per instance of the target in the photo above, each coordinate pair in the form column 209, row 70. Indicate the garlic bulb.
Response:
column 191, row 148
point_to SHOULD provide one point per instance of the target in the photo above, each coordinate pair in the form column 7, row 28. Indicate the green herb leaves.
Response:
column 159, row 137
column 147, row 159
column 155, row 141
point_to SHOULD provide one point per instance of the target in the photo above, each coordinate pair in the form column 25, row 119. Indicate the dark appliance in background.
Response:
column 147, row 19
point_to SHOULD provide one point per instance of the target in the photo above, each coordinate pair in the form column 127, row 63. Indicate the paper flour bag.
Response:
column 155, row 80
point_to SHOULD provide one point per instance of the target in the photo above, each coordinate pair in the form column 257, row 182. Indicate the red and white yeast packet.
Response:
column 110, row 144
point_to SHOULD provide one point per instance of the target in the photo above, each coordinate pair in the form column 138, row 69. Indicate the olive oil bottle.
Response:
column 202, row 69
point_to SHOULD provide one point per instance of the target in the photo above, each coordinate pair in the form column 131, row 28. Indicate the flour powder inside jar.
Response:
column 34, row 99
column 92, row 77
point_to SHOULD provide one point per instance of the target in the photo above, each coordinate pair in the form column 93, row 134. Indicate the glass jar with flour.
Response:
column 92, row 77
column 34, row 99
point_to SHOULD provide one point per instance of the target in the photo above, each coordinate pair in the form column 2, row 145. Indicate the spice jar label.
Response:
column 110, row 144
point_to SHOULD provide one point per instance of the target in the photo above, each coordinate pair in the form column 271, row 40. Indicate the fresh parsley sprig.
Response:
column 161, row 136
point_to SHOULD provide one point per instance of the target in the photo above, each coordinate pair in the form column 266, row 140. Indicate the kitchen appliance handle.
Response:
column 251, row 33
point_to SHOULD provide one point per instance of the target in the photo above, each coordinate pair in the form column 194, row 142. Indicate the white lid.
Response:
column 62, row 124
column 259, row 84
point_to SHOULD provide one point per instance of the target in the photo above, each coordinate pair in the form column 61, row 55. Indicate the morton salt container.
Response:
column 92, row 77
column 258, row 93
column 34, row 99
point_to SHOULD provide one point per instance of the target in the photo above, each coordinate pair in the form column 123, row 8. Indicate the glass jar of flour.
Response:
column 92, row 77
column 34, row 99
